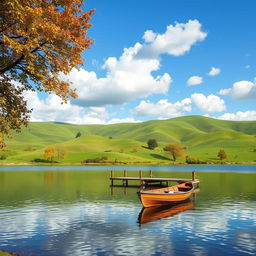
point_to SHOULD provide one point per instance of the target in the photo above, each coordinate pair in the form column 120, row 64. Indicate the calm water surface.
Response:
column 66, row 211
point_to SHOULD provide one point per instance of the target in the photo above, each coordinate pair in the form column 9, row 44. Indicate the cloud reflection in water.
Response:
column 111, row 229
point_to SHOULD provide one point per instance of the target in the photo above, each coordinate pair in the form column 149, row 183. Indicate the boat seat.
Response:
column 168, row 191
column 184, row 188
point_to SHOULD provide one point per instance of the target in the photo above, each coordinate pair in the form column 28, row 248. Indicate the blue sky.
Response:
column 186, row 57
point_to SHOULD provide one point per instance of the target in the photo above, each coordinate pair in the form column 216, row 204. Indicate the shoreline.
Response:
column 126, row 164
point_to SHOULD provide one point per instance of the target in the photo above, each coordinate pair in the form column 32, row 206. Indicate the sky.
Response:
column 160, row 59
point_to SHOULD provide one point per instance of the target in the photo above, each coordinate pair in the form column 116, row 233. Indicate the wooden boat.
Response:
column 166, row 195
column 155, row 213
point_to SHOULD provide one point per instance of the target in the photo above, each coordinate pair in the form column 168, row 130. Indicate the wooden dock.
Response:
column 147, row 181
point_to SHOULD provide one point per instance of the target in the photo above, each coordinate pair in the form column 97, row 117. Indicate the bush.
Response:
column 2, row 157
column 79, row 134
column 152, row 143
column 96, row 160
column 39, row 160
column 190, row 160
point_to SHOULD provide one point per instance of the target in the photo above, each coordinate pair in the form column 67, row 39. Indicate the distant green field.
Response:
column 127, row 142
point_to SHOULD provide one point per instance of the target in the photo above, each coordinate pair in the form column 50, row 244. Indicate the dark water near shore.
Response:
column 57, row 212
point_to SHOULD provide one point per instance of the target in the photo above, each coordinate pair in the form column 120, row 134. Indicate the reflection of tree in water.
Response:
column 48, row 178
column 61, row 177
column 51, row 178
column 222, row 179
column 78, row 194
column 2, row 177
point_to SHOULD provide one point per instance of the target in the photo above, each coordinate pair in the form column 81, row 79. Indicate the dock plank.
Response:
column 150, row 179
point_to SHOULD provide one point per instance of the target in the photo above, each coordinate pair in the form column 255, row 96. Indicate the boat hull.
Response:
column 166, row 196
column 149, row 200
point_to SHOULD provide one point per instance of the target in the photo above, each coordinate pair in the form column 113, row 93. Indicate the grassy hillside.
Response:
column 202, row 136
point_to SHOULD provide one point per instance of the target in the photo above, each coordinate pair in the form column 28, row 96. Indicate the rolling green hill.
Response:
column 127, row 142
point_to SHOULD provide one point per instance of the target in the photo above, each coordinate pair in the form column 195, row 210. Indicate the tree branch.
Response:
column 15, row 63
column 18, row 60
column 6, row 27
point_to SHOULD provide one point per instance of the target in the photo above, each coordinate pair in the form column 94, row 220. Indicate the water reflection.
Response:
column 155, row 213
column 110, row 229
column 74, row 213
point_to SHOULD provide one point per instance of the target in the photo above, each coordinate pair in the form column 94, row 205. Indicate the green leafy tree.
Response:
column 78, row 134
column 175, row 150
column 222, row 154
column 152, row 143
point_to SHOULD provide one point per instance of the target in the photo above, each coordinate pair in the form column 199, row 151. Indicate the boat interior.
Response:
column 183, row 187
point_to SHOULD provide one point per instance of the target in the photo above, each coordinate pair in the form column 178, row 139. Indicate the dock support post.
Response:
column 193, row 175
column 150, row 174
column 125, row 182
column 140, row 174
column 112, row 176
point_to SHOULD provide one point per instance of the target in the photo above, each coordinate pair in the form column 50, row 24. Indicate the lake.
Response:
column 55, row 211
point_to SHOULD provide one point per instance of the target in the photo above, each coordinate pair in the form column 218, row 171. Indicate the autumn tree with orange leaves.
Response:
column 39, row 39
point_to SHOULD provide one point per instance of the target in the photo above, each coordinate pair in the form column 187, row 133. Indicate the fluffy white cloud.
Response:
column 194, row 80
column 177, row 40
column 51, row 109
column 163, row 109
column 127, row 78
column 123, row 120
column 214, row 71
column 95, row 115
column 208, row 104
column 239, row 116
column 130, row 76
column 241, row 90
column 149, row 36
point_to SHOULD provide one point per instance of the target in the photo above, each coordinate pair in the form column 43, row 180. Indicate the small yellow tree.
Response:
column 61, row 152
column 49, row 153
column 222, row 154
column 175, row 149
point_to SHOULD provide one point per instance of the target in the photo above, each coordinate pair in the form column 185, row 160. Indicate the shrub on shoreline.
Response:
column 190, row 160
column 96, row 160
